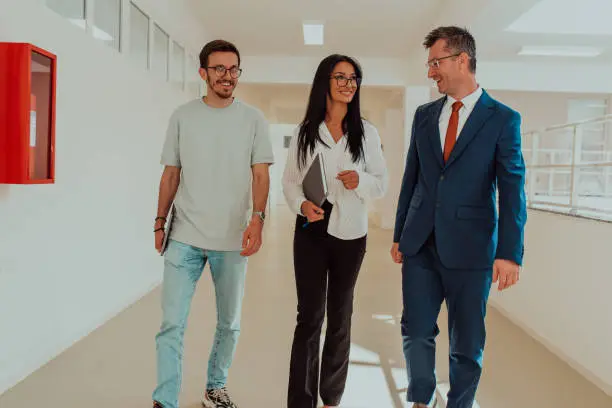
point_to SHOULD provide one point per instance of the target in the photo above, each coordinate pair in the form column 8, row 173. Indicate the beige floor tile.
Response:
column 115, row 365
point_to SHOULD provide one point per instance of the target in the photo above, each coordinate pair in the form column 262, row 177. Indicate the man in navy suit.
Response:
column 465, row 148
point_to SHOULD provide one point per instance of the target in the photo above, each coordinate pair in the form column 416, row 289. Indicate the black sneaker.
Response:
column 218, row 398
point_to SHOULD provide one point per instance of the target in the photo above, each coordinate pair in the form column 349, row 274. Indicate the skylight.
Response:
column 313, row 33
column 584, row 17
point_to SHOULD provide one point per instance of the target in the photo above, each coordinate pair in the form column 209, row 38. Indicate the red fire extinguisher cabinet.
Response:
column 27, row 114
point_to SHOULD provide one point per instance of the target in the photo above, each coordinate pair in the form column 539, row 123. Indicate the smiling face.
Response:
column 219, row 82
column 343, row 83
column 447, row 68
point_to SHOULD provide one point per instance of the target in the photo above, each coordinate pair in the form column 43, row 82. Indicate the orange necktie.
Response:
column 451, row 132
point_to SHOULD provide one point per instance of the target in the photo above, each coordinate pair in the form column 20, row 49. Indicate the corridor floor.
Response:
column 115, row 365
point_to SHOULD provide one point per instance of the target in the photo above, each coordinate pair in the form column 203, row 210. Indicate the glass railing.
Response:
column 569, row 168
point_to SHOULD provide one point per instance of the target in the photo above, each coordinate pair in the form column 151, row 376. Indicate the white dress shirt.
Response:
column 464, row 113
column 349, row 216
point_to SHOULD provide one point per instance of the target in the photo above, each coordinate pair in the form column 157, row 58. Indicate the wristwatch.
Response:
column 260, row 214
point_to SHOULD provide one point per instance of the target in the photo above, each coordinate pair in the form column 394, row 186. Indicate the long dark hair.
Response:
column 352, row 124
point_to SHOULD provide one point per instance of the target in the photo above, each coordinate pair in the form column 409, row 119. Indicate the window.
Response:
column 593, row 136
column 178, row 65
column 73, row 10
column 583, row 109
column 107, row 22
column 161, row 43
column 139, row 37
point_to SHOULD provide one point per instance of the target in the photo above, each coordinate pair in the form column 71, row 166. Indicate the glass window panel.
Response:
column 161, row 42
column 178, row 65
column 583, row 109
column 73, row 10
column 40, row 118
column 139, row 37
column 555, row 147
column 107, row 22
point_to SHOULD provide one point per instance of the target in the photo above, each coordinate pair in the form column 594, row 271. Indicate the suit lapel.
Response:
column 433, row 129
column 483, row 109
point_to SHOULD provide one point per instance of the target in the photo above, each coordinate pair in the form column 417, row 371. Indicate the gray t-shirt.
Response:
column 215, row 149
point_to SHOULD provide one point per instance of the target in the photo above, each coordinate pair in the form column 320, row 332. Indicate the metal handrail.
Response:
column 569, row 166
column 543, row 178
column 572, row 124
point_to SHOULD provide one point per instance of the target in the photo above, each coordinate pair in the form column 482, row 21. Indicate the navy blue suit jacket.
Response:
column 457, row 199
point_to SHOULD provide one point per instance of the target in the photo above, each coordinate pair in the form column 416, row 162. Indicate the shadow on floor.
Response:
column 115, row 365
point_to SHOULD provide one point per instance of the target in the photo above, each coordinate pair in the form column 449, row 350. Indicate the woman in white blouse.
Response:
column 330, row 242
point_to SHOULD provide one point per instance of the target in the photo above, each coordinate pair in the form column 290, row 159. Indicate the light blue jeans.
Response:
column 183, row 268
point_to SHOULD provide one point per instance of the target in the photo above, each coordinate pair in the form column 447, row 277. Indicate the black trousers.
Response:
column 326, row 270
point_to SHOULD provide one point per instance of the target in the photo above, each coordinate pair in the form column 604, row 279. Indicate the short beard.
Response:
column 220, row 95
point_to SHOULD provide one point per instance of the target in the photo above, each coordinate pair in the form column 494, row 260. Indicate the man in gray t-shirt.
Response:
column 216, row 157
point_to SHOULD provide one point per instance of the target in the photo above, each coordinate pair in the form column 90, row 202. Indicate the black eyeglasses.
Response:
column 342, row 81
column 235, row 72
column 435, row 62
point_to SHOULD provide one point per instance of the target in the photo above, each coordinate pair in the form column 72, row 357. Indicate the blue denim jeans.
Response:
column 183, row 268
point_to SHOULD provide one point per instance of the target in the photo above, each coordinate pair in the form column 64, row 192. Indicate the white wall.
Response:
column 75, row 253
column 546, row 77
column 396, row 148
column 583, row 77
column 563, row 296
column 301, row 70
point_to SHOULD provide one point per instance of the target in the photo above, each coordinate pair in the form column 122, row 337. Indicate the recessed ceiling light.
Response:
column 560, row 51
column 313, row 33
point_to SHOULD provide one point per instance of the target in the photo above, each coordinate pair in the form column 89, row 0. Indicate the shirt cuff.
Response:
column 298, row 205
column 361, row 188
